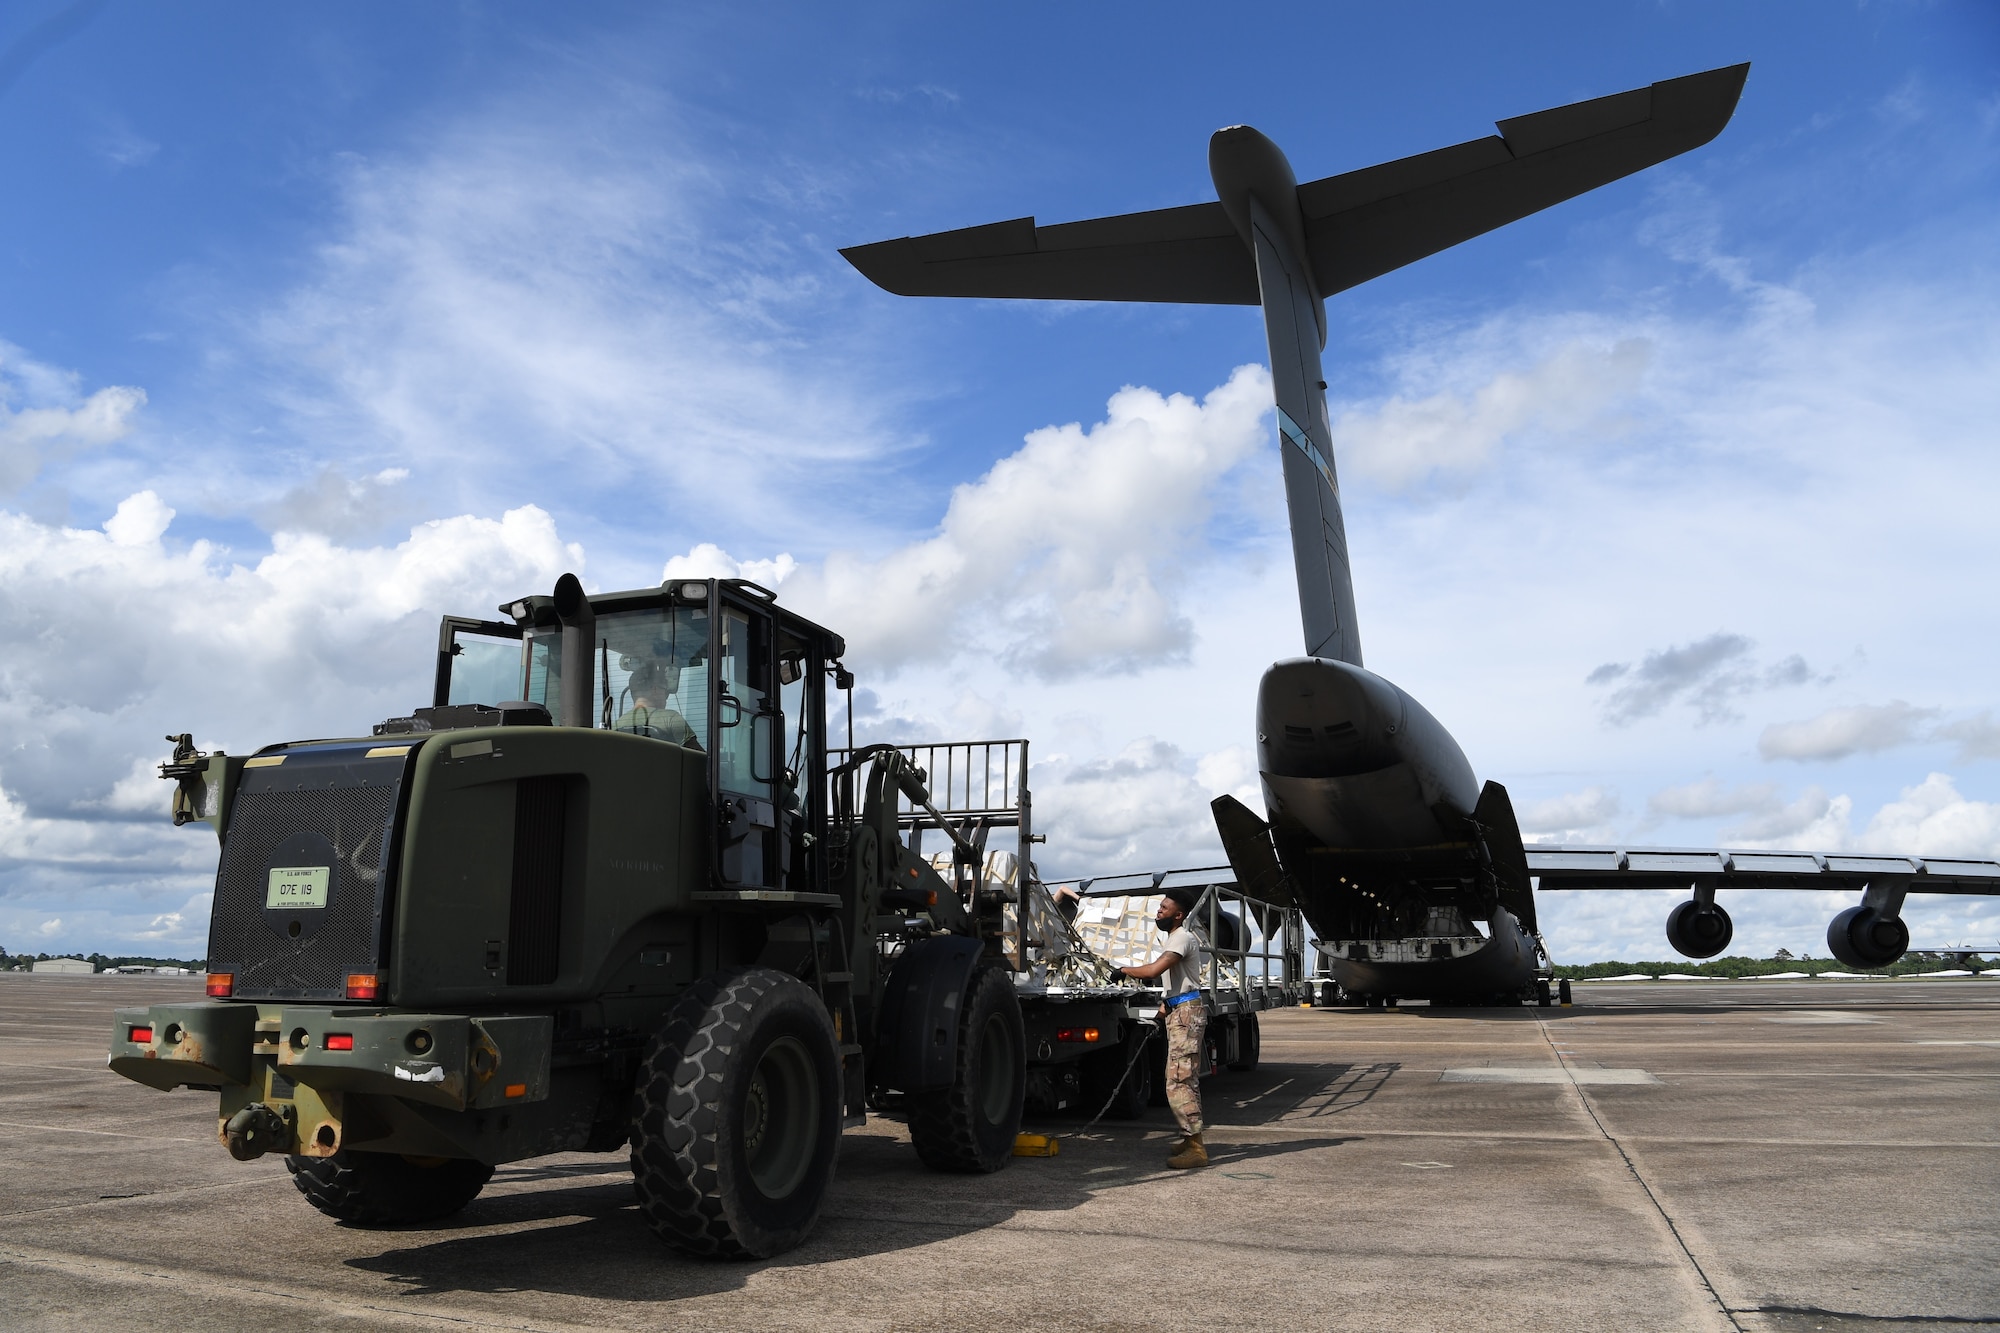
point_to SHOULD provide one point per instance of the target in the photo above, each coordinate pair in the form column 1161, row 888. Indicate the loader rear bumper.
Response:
column 410, row 1082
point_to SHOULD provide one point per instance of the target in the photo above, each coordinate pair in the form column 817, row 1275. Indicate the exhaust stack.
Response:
column 579, row 644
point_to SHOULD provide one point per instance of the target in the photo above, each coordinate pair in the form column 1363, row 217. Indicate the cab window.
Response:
column 650, row 672
column 743, row 705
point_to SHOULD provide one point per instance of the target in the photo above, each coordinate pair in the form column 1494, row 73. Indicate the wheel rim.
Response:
column 996, row 1070
column 780, row 1117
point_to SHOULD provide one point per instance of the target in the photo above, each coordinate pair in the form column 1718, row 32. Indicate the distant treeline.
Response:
column 1764, row 967
column 17, row 961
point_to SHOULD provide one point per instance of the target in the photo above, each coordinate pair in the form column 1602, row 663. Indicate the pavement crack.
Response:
column 1652, row 1197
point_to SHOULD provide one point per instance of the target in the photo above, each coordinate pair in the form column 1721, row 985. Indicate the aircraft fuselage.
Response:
column 1371, row 805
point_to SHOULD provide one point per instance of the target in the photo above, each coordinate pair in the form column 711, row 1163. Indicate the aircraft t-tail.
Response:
column 1376, row 823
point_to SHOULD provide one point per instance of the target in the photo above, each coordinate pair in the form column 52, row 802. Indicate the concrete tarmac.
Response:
column 1759, row 1155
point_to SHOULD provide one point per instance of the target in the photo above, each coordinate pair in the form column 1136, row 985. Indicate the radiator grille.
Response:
column 534, row 914
column 351, row 803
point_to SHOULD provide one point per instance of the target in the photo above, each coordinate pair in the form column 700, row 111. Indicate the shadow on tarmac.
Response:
column 588, row 1239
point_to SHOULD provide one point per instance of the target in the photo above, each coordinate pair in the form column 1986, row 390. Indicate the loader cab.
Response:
column 715, row 666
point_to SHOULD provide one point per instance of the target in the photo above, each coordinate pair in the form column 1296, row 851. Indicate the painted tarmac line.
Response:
column 106, row 1133
column 1565, row 1074
column 1362, row 1133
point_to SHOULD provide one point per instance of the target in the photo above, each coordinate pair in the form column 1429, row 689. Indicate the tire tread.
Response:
column 382, row 1190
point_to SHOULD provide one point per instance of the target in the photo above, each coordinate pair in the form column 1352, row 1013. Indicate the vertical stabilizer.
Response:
column 1257, row 189
column 1312, row 489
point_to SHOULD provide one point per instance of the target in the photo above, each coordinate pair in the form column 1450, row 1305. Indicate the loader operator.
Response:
column 651, row 681
column 1185, row 1013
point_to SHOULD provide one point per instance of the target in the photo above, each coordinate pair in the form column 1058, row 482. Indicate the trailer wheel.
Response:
column 971, row 1125
column 737, row 1116
column 1105, row 1068
column 378, row 1189
column 1249, row 1044
column 1156, row 1060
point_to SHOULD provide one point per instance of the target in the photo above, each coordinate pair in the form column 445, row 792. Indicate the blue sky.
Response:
column 1675, row 503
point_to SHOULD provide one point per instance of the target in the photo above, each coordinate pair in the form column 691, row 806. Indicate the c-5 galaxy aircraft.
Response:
column 1376, row 823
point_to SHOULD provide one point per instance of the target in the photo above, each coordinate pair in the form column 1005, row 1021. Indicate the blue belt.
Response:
column 1184, row 998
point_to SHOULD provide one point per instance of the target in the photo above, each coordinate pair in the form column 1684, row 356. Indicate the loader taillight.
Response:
column 221, row 985
column 1077, row 1034
column 340, row 1041
column 361, row 986
column 138, row 1034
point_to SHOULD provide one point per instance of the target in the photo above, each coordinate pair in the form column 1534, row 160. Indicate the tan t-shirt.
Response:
column 1185, row 974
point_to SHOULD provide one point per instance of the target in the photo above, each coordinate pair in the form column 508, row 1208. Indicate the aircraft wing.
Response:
column 1357, row 226
column 1661, row 868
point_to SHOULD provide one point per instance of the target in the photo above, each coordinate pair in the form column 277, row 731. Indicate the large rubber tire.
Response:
column 374, row 1189
column 1249, row 1044
column 737, row 1115
column 1103, row 1071
column 971, row 1125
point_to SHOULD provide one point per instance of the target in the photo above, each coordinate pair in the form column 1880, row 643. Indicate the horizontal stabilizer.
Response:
column 1365, row 223
column 1357, row 226
column 1191, row 255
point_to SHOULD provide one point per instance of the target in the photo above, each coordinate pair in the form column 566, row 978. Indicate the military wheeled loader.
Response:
column 610, row 889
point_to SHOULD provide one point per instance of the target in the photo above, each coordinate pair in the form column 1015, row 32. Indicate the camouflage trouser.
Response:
column 1187, row 1030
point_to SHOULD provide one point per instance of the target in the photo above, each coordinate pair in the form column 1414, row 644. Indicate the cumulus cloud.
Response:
column 1977, row 737
column 1404, row 440
column 335, row 506
column 1705, row 675
column 55, row 420
column 1710, row 798
column 1932, row 819
column 1143, row 808
column 1929, row 819
column 1062, row 560
column 709, row 561
column 123, row 636
column 1814, row 822
column 1579, row 816
column 1839, row 732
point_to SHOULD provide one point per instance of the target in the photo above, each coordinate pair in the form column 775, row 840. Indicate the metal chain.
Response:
column 1138, row 1049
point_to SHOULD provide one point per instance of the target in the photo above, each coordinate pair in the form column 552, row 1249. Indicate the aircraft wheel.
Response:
column 1542, row 997
column 738, row 1116
column 380, row 1189
column 971, row 1125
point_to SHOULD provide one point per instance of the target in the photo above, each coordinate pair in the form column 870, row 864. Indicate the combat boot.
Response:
column 1191, row 1154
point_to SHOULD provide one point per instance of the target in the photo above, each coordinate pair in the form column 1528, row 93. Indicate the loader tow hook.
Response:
column 254, row 1131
